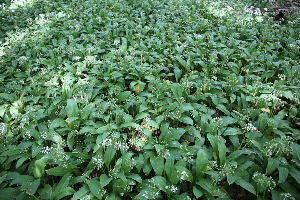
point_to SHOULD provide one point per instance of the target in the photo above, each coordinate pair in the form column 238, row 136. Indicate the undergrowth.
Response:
column 115, row 99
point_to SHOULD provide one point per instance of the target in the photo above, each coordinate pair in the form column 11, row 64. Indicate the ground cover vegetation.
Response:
column 130, row 99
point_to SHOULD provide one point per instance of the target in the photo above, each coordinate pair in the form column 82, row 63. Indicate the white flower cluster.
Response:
column 279, row 146
column 250, row 127
column 171, row 188
column 264, row 181
column 98, row 161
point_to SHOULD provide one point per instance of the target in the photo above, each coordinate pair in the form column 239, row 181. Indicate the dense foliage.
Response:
column 131, row 99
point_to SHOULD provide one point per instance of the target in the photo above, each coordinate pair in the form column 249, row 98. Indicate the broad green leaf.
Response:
column 296, row 150
column 205, row 184
column 283, row 174
column 177, row 73
column 2, row 110
column 123, row 95
column 71, row 108
column 232, row 131
column 139, row 162
column 60, row 190
column 177, row 133
column 231, row 178
column 95, row 188
column 197, row 192
column 273, row 164
column 246, row 185
column 141, row 115
column 109, row 154
column 64, row 192
column 226, row 120
column 88, row 129
column 157, row 163
column 112, row 197
column 47, row 192
column 184, row 173
column 201, row 161
column 147, row 168
column 129, row 124
column 118, row 186
column 186, row 120
column 86, row 111
column 70, row 140
column 177, row 90
column 135, row 177
column 59, row 122
column 294, row 173
column 22, row 179
column 31, row 187
column 9, row 193
column 81, row 193
column 58, row 171
column 159, row 182
column 223, row 109
column 22, row 160
column 290, row 188
column 288, row 94
column 213, row 139
column 221, row 152
column 39, row 167
column 104, row 180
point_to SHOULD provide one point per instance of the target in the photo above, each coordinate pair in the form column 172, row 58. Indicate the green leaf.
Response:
column 59, row 122
column 294, row 173
column 47, row 192
column 197, row 192
column 231, row 178
column 283, row 174
column 64, row 192
column 9, row 193
column 104, row 180
column 232, row 131
column 246, row 185
column 31, row 187
column 60, row 190
column 177, row 133
column 186, row 120
column 2, row 110
column 184, row 173
column 135, row 177
column 22, row 160
column 81, row 193
column 129, row 124
column 221, row 151
column 160, row 182
column 296, row 150
column 141, row 116
column 157, row 164
column 123, row 95
column 201, row 161
column 86, row 111
column 177, row 73
column 58, row 171
column 223, row 109
column 227, row 120
column 205, row 184
column 288, row 94
column 39, row 167
column 95, row 188
column 109, row 155
column 22, row 179
column 71, row 108
column 273, row 164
